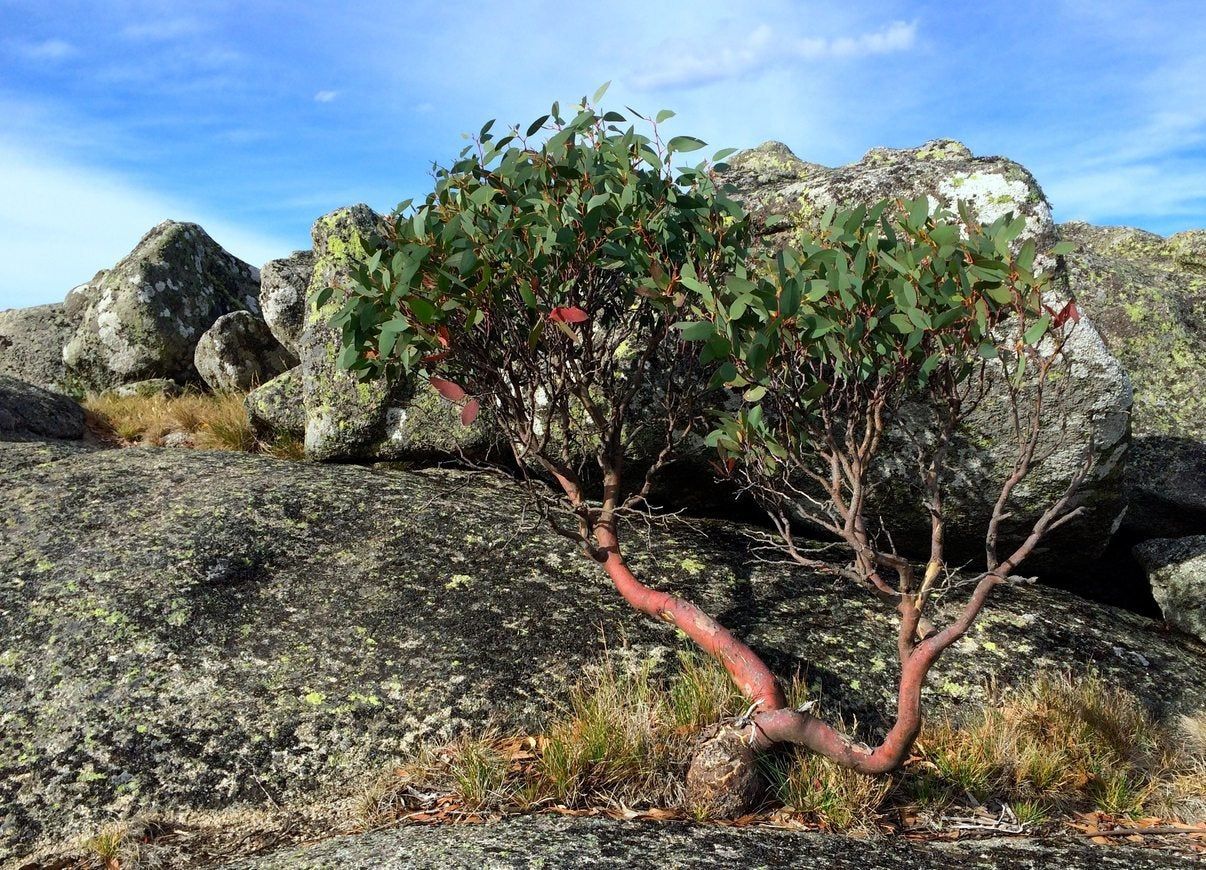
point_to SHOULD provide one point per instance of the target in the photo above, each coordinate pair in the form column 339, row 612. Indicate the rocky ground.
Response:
column 190, row 629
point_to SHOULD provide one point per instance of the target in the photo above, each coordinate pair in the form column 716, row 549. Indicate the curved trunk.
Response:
column 748, row 671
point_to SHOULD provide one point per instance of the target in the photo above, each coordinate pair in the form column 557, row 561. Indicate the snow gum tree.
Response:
column 574, row 282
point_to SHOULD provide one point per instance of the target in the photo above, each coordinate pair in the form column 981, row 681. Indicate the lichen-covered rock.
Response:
column 31, row 344
column 1147, row 295
column 276, row 407
column 344, row 417
column 540, row 842
column 32, row 339
column 771, row 180
column 1176, row 568
column 1149, row 300
column 149, row 387
column 143, row 318
column 205, row 629
column 284, row 285
column 28, row 411
column 239, row 352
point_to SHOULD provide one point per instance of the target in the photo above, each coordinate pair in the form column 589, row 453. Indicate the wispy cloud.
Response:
column 683, row 64
column 326, row 96
column 49, row 49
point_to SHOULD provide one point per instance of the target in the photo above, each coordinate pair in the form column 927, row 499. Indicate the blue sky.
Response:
column 254, row 118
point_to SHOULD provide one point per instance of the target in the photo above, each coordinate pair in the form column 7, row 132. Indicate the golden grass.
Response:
column 216, row 421
column 625, row 736
column 1060, row 745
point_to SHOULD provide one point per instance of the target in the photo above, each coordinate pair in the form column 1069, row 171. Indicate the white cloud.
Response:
column 63, row 222
column 326, row 96
column 50, row 49
column 691, row 64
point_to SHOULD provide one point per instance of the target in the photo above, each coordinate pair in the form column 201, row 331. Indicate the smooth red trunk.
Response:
column 748, row 671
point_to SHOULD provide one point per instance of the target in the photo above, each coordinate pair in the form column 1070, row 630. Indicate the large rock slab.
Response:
column 31, row 344
column 344, row 417
column 284, row 285
column 1147, row 295
column 28, row 411
column 201, row 629
column 239, row 353
column 770, row 180
column 143, row 318
column 576, row 844
column 1176, row 568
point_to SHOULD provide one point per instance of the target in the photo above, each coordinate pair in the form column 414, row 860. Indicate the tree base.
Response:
column 723, row 781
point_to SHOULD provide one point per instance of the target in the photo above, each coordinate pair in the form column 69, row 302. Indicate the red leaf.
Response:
column 469, row 412
column 434, row 357
column 442, row 335
column 1069, row 312
column 447, row 389
column 568, row 315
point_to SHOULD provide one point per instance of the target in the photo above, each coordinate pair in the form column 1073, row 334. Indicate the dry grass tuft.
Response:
column 820, row 791
column 1060, row 745
column 208, row 421
column 623, row 738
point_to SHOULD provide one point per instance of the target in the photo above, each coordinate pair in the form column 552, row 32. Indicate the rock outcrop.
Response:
column 31, row 344
column 771, row 181
column 344, row 417
column 276, row 407
column 1147, row 295
column 199, row 629
column 284, row 287
column 1176, row 568
column 239, row 352
column 28, row 411
column 142, row 319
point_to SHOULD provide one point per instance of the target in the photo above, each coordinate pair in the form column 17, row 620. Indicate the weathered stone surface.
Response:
column 771, row 180
column 239, row 352
column 603, row 844
column 276, row 407
column 202, row 629
column 344, row 417
column 143, row 318
column 1147, row 295
column 284, row 285
column 1176, row 568
column 149, row 387
column 28, row 411
column 1148, row 298
column 31, row 344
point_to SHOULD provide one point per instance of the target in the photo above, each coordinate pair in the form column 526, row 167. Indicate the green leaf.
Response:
column 1037, row 329
column 600, row 92
column 695, row 330
column 597, row 200
column 535, row 126
column 663, row 115
column 684, row 144
column 755, row 394
column 1062, row 249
